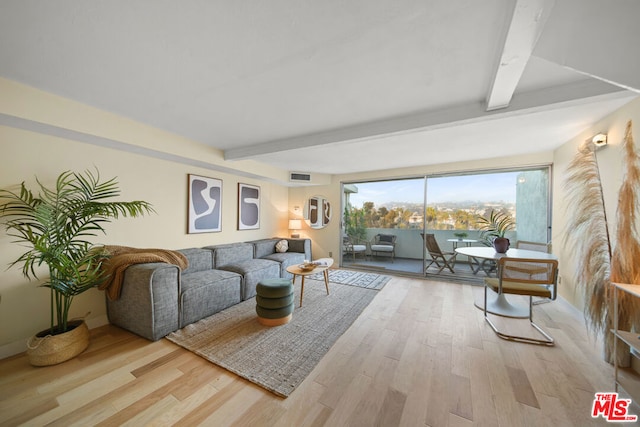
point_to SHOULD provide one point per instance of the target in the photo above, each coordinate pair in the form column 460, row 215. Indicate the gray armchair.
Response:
column 384, row 244
column 353, row 247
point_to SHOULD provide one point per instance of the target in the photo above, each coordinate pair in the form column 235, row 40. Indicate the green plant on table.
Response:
column 495, row 225
column 55, row 224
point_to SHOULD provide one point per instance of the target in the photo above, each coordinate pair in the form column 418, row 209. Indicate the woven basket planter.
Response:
column 45, row 350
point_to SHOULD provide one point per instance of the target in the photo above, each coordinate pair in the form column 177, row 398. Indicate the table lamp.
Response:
column 294, row 225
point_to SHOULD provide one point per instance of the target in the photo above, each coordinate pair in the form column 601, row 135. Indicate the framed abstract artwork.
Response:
column 205, row 204
column 248, row 207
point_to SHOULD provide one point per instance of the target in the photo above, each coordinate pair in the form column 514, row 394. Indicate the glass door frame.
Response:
column 549, row 208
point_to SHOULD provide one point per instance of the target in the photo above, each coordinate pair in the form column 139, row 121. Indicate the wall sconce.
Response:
column 600, row 140
column 294, row 225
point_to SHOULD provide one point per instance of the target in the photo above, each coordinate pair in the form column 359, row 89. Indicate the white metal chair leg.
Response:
column 548, row 341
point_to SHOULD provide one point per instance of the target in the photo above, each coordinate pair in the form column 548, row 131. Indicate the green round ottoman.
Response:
column 274, row 301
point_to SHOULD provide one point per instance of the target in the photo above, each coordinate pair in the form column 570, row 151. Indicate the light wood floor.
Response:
column 419, row 355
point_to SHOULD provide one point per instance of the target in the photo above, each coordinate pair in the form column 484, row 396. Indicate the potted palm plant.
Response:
column 493, row 229
column 55, row 224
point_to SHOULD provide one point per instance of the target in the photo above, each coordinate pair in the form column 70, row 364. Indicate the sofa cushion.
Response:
column 286, row 259
column 231, row 254
column 302, row 246
column 207, row 292
column 253, row 271
column 199, row 259
column 381, row 248
column 264, row 247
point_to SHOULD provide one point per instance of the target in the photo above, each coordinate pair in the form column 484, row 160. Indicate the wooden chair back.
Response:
column 432, row 244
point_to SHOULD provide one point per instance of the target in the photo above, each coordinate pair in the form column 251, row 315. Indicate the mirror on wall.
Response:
column 317, row 212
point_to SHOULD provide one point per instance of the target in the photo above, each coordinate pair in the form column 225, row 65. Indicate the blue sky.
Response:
column 484, row 187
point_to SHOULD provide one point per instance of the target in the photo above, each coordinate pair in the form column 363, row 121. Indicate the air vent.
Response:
column 299, row 177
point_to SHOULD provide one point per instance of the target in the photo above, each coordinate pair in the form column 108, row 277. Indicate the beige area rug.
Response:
column 277, row 358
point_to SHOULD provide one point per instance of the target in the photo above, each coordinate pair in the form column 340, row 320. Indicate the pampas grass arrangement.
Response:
column 625, row 263
column 589, row 236
column 597, row 265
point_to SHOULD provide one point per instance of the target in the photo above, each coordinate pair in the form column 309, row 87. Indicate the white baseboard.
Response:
column 20, row 346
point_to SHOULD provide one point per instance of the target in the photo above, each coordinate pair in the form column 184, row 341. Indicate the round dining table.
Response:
column 500, row 305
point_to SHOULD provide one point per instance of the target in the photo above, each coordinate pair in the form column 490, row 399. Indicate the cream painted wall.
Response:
column 610, row 163
column 324, row 240
column 27, row 154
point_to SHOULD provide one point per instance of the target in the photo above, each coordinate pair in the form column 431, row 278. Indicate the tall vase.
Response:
column 501, row 245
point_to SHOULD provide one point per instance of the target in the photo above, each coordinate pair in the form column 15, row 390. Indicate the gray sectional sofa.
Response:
column 157, row 299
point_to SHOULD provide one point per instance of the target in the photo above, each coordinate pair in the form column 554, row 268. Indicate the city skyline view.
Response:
column 490, row 187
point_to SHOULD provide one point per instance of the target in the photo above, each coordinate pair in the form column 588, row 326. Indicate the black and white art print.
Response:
column 205, row 204
column 248, row 207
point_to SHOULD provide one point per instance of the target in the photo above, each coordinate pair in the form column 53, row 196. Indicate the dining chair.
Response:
column 532, row 246
column 448, row 259
column 383, row 243
column 511, row 280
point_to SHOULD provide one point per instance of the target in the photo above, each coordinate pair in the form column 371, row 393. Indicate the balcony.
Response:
column 410, row 252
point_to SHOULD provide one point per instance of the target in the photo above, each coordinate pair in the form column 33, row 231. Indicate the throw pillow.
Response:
column 385, row 238
column 282, row 246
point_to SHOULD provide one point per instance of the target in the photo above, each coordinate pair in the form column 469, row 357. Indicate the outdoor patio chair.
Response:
column 448, row 259
column 384, row 243
column 353, row 247
column 512, row 281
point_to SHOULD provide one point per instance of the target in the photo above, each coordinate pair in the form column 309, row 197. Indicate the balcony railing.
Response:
column 409, row 242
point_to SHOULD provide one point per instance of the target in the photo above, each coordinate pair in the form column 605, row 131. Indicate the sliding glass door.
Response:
column 392, row 208
column 444, row 206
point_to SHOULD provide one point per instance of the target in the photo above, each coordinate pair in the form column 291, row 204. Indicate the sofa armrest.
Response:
column 149, row 300
column 300, row 245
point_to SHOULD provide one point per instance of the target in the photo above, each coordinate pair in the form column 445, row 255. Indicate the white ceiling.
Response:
column 334, row 86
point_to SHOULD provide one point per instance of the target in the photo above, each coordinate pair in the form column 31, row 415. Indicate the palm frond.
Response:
column 495, row 225
column 57, row 225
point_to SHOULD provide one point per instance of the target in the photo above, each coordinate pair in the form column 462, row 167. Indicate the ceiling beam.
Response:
column 524, row 103
column 527, row 22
